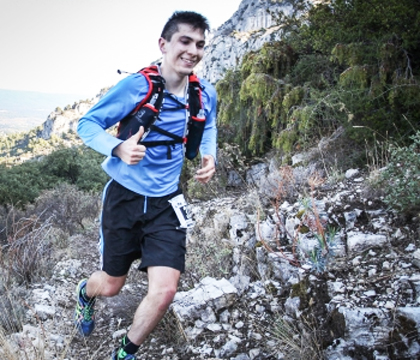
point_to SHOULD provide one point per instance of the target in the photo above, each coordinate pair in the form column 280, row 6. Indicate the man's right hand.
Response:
column 130, row 151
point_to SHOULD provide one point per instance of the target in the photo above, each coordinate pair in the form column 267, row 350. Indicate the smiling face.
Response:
column 183, row 51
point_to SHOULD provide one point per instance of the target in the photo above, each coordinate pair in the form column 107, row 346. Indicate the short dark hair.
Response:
column 195, row 20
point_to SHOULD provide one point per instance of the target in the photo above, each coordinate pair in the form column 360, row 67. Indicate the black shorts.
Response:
column 138, row 227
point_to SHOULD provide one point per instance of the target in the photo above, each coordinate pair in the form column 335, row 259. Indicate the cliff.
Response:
column 64, row 121
column 254, row 23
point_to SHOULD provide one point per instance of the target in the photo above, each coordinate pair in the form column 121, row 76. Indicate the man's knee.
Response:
column 163, row 284
column 111, row 289
column 108, row 285
column 163, row 297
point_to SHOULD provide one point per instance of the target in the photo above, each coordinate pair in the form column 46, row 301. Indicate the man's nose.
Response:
column 192, row 49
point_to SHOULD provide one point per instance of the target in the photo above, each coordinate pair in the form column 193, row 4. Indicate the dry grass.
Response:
column 28, row 251
column 300, row 341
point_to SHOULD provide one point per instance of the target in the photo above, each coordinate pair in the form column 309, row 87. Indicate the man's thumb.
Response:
column 137, row 136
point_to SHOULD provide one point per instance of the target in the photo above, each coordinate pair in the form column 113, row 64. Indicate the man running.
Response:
column 138, row 217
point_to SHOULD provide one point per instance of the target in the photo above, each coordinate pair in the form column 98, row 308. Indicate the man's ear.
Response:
column 162, row 45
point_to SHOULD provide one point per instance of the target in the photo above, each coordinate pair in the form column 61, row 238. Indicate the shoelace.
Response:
column 87, row 310
column 121, row 354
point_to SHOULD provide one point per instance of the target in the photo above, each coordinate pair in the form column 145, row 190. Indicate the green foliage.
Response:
column 321, row 254
column 378, row 53
column 401, row 178
column 250, row 107
column 16, row 148
column 21, row 184
column 343, row 21
column 348, row 63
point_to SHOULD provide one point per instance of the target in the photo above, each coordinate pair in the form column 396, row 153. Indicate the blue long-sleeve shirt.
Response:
column 155, row 175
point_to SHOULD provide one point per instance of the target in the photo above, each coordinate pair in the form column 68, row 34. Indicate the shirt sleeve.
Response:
column 209, row 142
column 114, row 106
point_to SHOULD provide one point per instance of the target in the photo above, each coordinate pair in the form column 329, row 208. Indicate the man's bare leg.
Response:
column 102, row 284
column 163, row 284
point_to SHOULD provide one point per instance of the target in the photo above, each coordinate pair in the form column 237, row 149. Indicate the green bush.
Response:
column 22, row 184
column 401, row 178
column 347, row 64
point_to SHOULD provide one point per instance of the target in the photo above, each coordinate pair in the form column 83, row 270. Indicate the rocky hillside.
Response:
column 252, row 290
column 293, row 263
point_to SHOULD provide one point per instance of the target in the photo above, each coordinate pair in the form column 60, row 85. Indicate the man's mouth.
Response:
column 188, row 61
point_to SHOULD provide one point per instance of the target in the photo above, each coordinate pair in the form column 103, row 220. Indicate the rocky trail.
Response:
column 240, row 301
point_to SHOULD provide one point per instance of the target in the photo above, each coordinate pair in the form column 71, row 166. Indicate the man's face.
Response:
column 184, row 51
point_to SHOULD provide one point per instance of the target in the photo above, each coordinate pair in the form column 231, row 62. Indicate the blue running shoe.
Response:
column 84, row 318
column 120, row 354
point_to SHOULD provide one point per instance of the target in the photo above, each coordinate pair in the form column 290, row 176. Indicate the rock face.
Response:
column 64, row 121
column 254, row 23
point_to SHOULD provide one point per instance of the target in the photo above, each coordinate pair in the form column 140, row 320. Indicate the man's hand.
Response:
column 130, row 151
column 207, row 170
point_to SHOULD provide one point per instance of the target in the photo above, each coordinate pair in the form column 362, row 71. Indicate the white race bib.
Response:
column 180, row 207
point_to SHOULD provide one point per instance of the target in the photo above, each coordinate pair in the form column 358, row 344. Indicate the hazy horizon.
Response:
column 23, row 110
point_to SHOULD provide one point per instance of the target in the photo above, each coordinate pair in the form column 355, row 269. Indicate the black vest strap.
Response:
column 176, row 140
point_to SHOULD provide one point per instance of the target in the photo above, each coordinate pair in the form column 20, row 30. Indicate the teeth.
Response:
column 188, row 61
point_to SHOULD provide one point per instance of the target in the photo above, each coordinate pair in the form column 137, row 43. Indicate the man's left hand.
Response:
column 207, row 170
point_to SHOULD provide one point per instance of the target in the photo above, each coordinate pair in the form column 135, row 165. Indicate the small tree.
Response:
column 401, row 178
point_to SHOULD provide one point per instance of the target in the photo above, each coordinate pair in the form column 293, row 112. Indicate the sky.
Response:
column 77, row 46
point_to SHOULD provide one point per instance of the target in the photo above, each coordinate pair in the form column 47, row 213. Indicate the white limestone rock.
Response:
column 192, row 304
column 358, row 242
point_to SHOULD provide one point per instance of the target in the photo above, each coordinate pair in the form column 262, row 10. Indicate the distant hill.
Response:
column 24, row 110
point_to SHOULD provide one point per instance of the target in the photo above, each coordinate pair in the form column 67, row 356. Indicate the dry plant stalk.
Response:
column 287, row 181
column 314, row 222
column 180, row 327
column 315, row 181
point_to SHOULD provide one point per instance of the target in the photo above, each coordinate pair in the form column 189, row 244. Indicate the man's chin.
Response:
column 187, row 71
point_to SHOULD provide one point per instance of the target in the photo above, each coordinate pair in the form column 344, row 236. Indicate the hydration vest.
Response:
column 147, row 112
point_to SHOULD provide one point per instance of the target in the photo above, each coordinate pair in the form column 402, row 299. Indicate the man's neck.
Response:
column 174, row 84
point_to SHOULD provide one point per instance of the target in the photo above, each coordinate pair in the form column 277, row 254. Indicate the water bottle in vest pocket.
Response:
column 195, row 134
column 145, row 116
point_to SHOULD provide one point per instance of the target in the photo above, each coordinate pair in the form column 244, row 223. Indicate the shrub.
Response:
column 22, row 184
column 401, row 178
column 27, row 254
column 329, row 70
column 301, row 340
column 67, row 207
